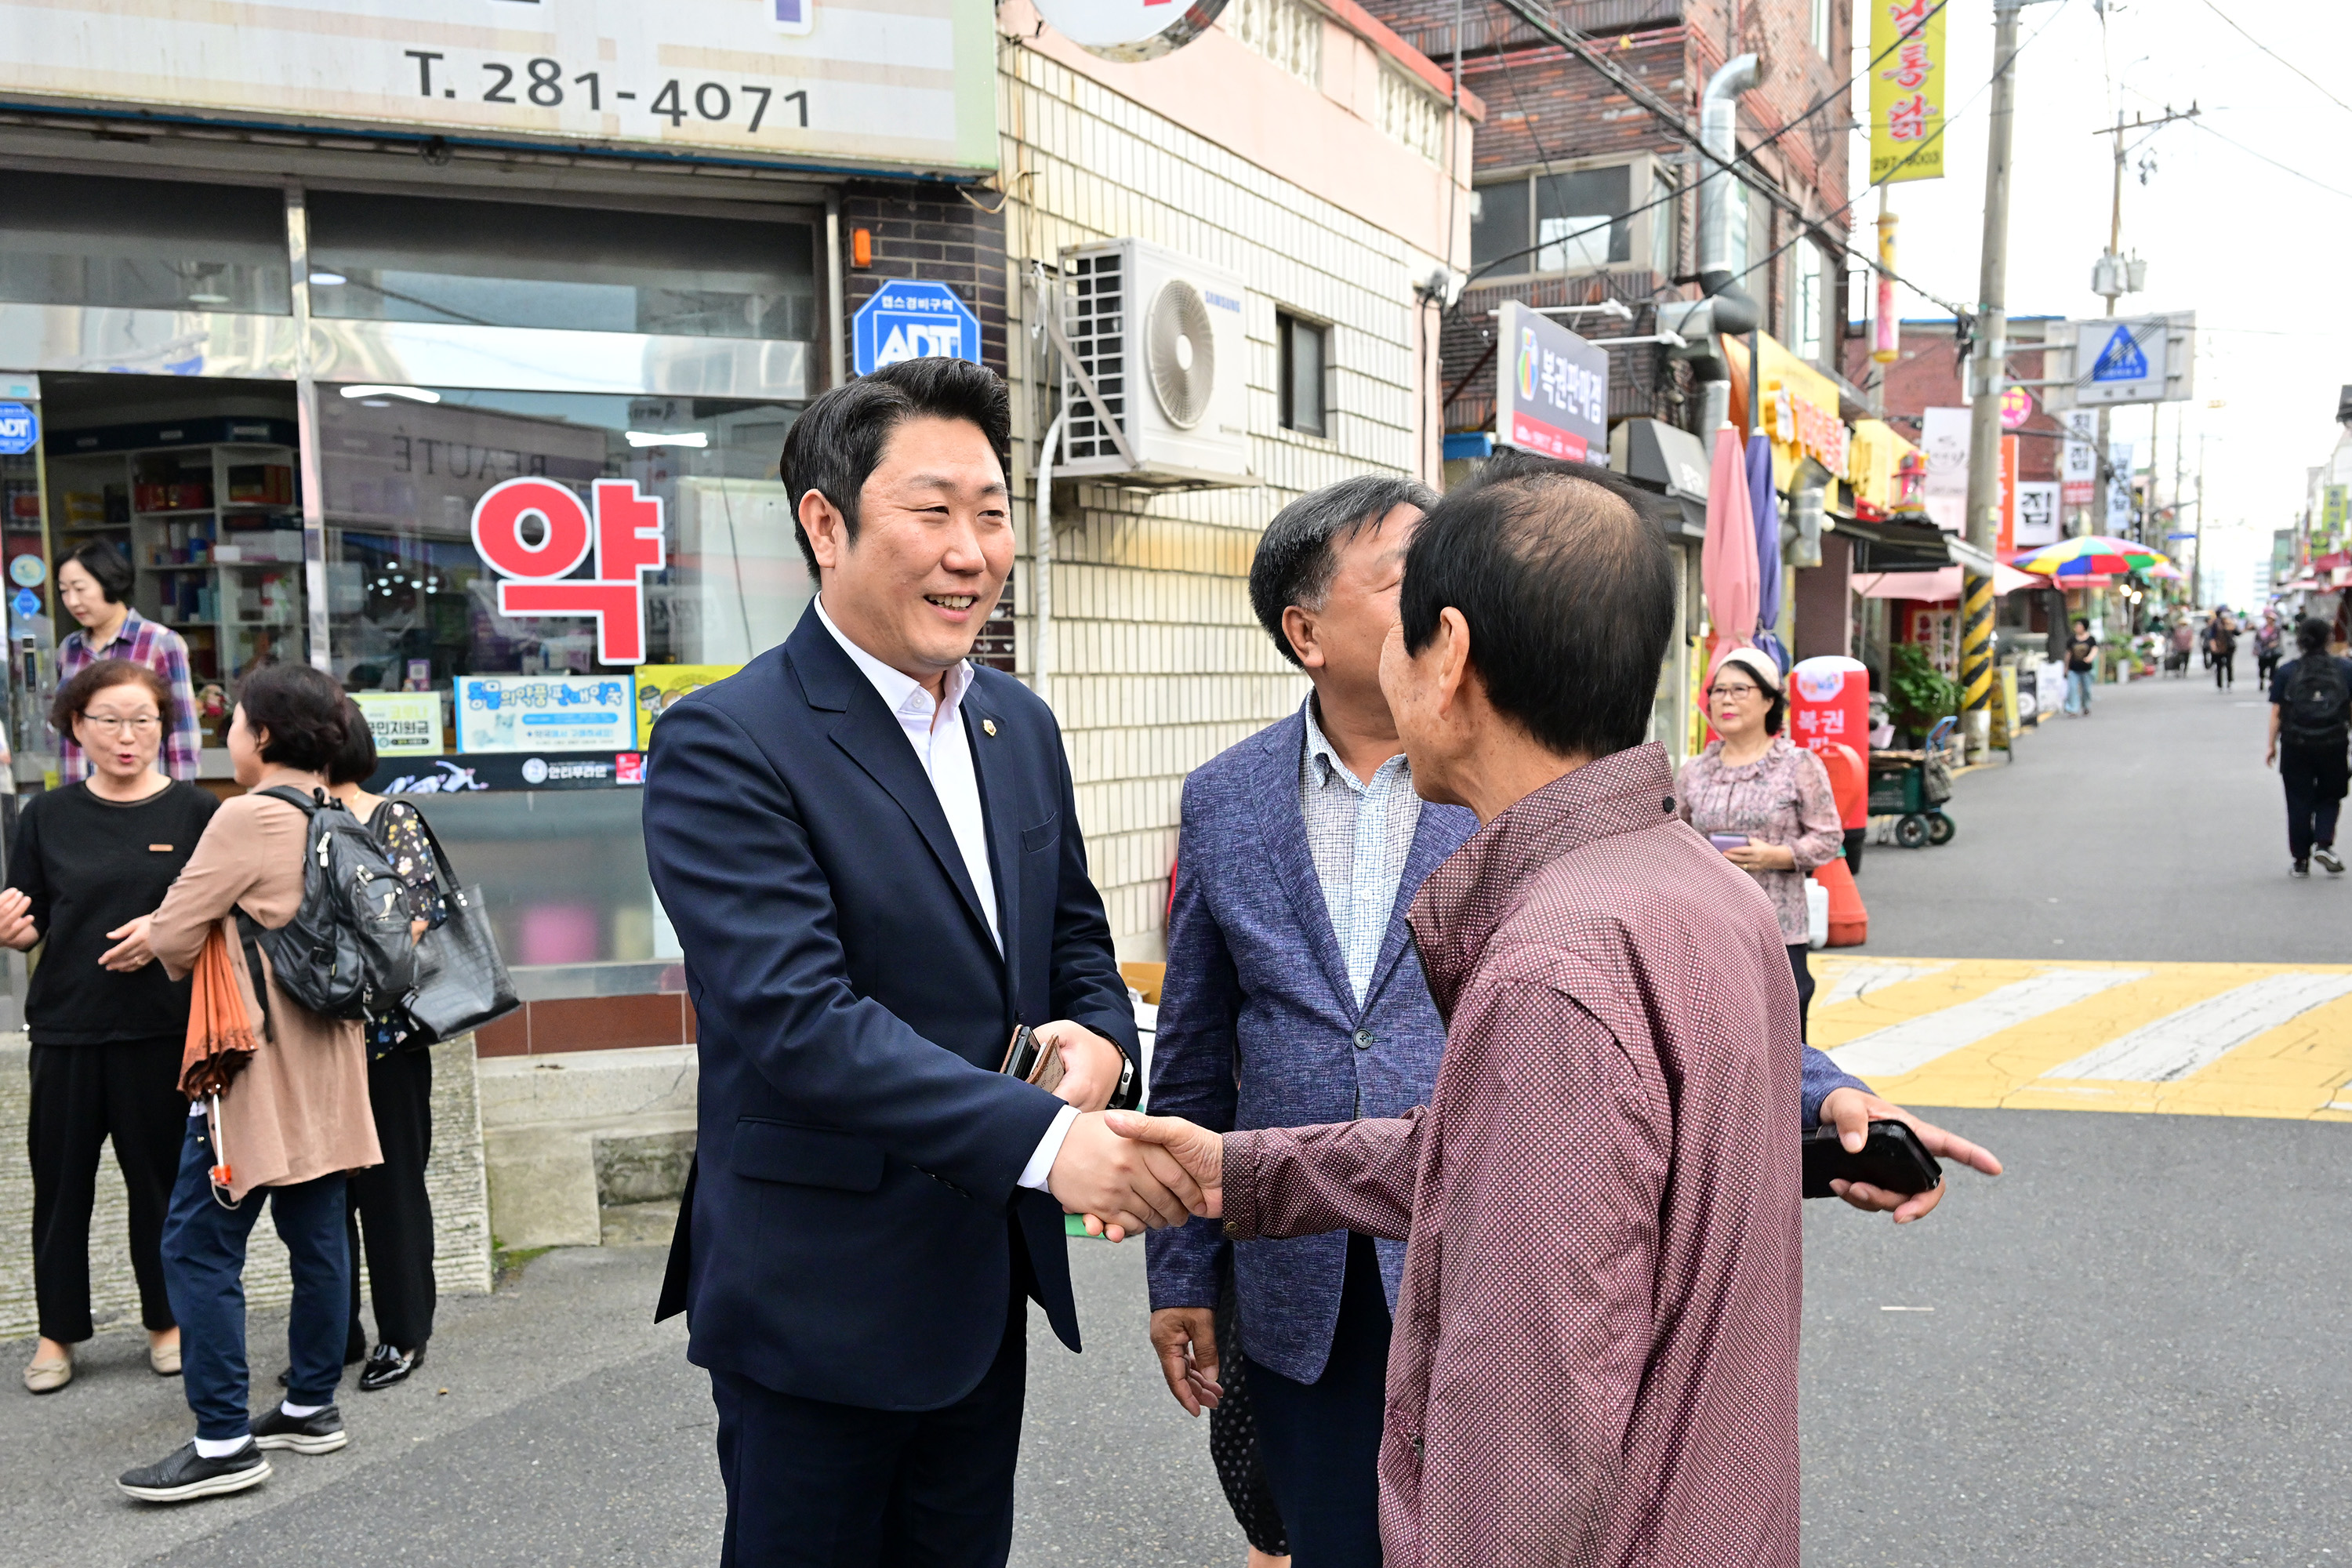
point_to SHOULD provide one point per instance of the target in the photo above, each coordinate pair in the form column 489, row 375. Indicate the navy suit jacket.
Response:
column 848, row 1232
column 1259, row 1027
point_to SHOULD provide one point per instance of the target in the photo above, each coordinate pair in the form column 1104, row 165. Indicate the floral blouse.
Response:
column 1781, row 798
column 401, row 831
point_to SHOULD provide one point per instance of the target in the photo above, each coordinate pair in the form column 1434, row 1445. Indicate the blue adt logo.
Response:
column 914, row 320
column 19, row 429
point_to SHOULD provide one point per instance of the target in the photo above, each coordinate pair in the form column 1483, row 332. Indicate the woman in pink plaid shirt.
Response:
column 94, row 585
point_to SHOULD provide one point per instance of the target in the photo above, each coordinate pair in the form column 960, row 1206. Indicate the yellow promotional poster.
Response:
column 1906, row 90
column 659, row 685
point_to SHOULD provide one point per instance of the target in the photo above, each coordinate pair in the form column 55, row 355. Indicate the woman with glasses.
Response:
column 107, row 1024
column 1764, row 802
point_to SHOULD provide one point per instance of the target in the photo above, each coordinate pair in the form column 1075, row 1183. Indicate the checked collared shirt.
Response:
column 1359, row 834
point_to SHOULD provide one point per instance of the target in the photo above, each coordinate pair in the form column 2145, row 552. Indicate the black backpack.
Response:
column 2314, row 713
column 347, row 953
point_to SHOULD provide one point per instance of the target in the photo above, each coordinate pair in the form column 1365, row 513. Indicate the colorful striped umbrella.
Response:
column 2092, row 555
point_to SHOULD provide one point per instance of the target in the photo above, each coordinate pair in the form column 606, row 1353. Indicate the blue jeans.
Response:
column 204, row 1269
column 2078, row 691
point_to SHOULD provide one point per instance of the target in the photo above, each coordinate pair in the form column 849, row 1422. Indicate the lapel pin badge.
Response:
column 989, row 725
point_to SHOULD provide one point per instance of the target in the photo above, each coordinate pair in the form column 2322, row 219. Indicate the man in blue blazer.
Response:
column 870, row 851
column 1294, row 997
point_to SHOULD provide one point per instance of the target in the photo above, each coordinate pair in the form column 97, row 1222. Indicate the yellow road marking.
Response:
column 2302, row 1068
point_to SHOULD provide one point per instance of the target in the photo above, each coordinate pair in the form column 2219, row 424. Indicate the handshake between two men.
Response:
column 1126, row 1173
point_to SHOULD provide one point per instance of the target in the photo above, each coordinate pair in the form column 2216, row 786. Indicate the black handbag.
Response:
column 461, row 982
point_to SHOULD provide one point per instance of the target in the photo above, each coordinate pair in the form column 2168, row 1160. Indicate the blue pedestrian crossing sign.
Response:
column 2121, row 359
column 906, row 320
column 20, row 428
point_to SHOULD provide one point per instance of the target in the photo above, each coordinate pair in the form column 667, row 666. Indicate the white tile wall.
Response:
column 1158, row 662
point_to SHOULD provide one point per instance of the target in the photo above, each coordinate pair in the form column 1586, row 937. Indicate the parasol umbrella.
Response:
column 1767, row 507
column 2091, row 556
column 1727, row 559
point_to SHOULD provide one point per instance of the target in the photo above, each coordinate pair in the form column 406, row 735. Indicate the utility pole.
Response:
column 2113, row 277
column 1991, row 369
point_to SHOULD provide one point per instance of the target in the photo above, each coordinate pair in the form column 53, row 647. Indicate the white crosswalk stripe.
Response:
column 1914, row 1043
column 1860, row 977
column 2178, row 1044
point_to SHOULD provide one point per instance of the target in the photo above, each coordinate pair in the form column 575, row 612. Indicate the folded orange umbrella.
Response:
column 221, row 1036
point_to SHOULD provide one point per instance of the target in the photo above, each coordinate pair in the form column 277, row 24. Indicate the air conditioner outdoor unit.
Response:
column 1160, row 336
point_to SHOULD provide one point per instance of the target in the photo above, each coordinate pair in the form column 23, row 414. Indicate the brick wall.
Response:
column 1158, row 662
column 461, row 1220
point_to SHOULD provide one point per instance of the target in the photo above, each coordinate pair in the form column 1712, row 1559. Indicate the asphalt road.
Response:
column 2128, row 1353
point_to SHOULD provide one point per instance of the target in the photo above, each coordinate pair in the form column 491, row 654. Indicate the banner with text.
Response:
column 888, row 82
column 1906, row 90
column 1554, row 392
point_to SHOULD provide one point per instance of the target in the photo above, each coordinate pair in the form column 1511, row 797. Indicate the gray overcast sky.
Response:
column 2213, row 220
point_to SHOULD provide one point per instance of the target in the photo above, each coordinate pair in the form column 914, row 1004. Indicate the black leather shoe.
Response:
column 388, row 1365
column 188, row 1475
column 321, row 1432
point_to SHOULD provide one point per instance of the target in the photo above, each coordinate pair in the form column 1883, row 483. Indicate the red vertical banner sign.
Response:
column 2008, row 497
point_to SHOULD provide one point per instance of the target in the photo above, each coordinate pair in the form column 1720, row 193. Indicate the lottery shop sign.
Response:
column 1553, row 397
column 534, row 533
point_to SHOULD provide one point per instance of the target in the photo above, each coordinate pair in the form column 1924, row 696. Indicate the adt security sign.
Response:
column 914, row 320
column 19, row 429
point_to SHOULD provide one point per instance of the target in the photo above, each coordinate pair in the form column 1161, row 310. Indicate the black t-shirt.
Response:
column 2079, row 649
column 90, row 866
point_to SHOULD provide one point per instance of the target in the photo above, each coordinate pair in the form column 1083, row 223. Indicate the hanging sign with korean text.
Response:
column 1553, row 397
column 1906, row 90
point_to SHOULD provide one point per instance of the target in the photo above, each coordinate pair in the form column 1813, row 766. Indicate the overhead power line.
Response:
column 2281, row 59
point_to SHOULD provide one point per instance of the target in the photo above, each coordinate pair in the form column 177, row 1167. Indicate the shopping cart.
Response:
column 1908, row 789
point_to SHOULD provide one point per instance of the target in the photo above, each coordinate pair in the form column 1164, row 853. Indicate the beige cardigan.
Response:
column 300, row 1110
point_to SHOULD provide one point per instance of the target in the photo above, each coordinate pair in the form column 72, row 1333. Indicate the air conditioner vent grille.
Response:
column 1095, row 322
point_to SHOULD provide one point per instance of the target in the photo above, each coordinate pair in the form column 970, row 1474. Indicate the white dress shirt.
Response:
column 936, row 730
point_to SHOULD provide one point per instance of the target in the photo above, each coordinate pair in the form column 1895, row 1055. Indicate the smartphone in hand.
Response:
column 1893, row 1161
column 1727, row 840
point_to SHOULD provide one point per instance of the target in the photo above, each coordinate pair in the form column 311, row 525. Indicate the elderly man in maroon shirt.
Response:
column 1595, row 1356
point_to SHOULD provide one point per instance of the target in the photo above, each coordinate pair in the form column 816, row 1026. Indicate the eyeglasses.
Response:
column 115, row 723
column 1733, row 689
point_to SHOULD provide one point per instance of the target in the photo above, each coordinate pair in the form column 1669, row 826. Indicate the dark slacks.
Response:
column 2314, row 777
column 204, row 1263
column 82, row 1096
column 817, row 1484
column 1801, row 970
column 1321, row 1441
column 2225, row 671
column 387, row 1208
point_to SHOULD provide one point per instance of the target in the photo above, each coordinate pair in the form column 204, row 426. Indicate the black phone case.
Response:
column 1892, row 1160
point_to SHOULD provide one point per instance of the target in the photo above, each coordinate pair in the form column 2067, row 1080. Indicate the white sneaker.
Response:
column 2326, row 855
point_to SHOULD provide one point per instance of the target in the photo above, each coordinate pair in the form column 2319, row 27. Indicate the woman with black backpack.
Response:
column 2311, row 724
column 390, row 1201
column 293, row 1117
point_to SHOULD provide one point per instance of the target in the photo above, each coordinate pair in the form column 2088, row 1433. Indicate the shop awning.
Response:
column 1935, row 587
column 1654, row 453
column 1896, row 545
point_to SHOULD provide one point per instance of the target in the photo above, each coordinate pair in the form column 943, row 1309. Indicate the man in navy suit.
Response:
column 1294, row 997
column 870, row 851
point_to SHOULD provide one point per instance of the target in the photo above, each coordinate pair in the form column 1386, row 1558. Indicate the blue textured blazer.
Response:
column 1259, row 1027
column 848, row 1228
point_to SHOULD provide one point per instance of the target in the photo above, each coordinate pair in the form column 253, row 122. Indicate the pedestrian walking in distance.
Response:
column 91, row 859
column 2221, row 647
column 2311, row 728
column 2082, row 661
column 293, row 1120
column 1763, row 801
column 390, row 1200
column 2269, row 642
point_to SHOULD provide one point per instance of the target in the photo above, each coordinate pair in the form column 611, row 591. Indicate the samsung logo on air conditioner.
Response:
column 1220, row 300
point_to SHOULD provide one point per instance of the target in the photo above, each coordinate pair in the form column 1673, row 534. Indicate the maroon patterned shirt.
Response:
column 1595, row 1354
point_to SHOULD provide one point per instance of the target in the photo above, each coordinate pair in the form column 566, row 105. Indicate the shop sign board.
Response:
column 2078, row 474
column 1906, row 90
column 1944, row 435
column 1553, row 391
column 1830, row 702
column 625, row 533
column 2037, row 514
column 2122, row 509
column 20, row 429
column 2007, row 508
column 404, row 723
column 906, row 320
column 2016, row 408
column 884, row 82
column 483, row 772
column 545, row 713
